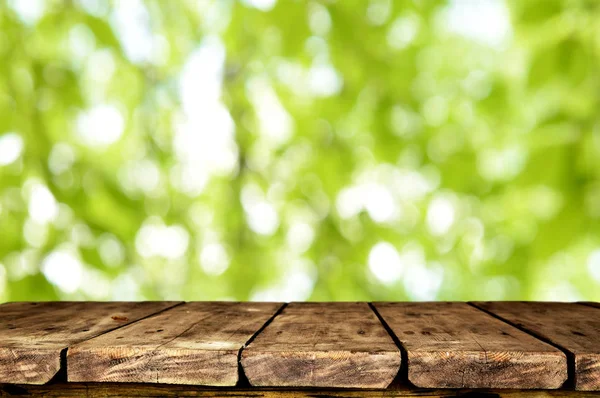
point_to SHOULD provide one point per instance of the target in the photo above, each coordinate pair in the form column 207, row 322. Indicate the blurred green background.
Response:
column 299, row 150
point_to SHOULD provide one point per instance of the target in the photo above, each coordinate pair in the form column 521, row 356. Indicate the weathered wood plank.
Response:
column 573, row 327
column 323, row 345
column 103, row 390
column 453, row 345
column 33, row 335
column 195, row 343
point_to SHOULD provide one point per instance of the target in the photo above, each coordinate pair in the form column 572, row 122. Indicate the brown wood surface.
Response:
column 33, row 335
column 323, row 345
column 573, row 327
column 98, row 390
column 454, row 345
column 483, row 350
column 591, row 303
column 195, row 343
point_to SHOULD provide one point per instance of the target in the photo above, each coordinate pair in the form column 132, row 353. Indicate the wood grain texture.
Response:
column 323, row 345
column 453, row 345
column 103, row 390
column 33, row 335
column 573, row 327
column 195, row 343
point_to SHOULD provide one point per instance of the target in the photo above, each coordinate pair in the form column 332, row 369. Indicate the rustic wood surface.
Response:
column 454, row 345
column 574, row 328
column 323, row 345
column 33, row 335
column 274, row 350
column 195, row 343
column 98, row 390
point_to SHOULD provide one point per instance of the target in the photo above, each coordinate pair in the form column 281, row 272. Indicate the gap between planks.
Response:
column 242, row 379
column 402, row 376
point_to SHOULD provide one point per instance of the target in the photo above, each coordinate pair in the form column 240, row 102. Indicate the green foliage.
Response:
column 334, row 150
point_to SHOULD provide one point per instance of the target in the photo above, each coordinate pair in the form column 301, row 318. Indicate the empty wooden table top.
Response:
column 519, row 346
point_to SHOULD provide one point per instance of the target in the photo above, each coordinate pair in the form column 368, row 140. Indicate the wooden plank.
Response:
column 453, row 345
column 33, row 335
column 103, row 390
column 323, row 345
column 195, row 343
column 573, row 327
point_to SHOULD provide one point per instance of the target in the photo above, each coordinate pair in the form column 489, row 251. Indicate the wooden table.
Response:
column 353, row 349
